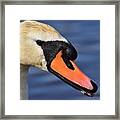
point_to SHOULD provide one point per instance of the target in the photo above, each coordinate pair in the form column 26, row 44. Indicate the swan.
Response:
column 42, row 46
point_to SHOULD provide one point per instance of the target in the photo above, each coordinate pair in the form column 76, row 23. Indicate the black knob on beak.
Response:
column 70, row 52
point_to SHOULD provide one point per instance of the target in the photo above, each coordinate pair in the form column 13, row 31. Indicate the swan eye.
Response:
column 39, row 42
column 70, row 53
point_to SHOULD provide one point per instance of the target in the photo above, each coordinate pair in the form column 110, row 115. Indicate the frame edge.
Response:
column 2, row 64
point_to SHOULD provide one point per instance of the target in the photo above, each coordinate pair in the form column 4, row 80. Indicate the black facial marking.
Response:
column 51, row 48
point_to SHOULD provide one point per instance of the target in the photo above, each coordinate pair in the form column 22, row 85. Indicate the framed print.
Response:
column 74, row 90
column 59, row 59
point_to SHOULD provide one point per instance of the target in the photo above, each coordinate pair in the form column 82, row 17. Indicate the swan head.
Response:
column 44, row 47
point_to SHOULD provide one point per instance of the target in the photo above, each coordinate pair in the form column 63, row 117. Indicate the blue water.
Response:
column 85, row 37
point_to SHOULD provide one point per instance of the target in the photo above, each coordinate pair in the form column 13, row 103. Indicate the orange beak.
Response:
column 74, row 76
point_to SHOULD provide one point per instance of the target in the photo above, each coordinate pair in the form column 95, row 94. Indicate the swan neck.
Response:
column 23, row 82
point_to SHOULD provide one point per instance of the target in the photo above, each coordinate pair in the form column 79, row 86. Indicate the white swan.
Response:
column 43, row 47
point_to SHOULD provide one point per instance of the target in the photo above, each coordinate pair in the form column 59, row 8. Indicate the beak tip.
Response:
column 94, row 87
